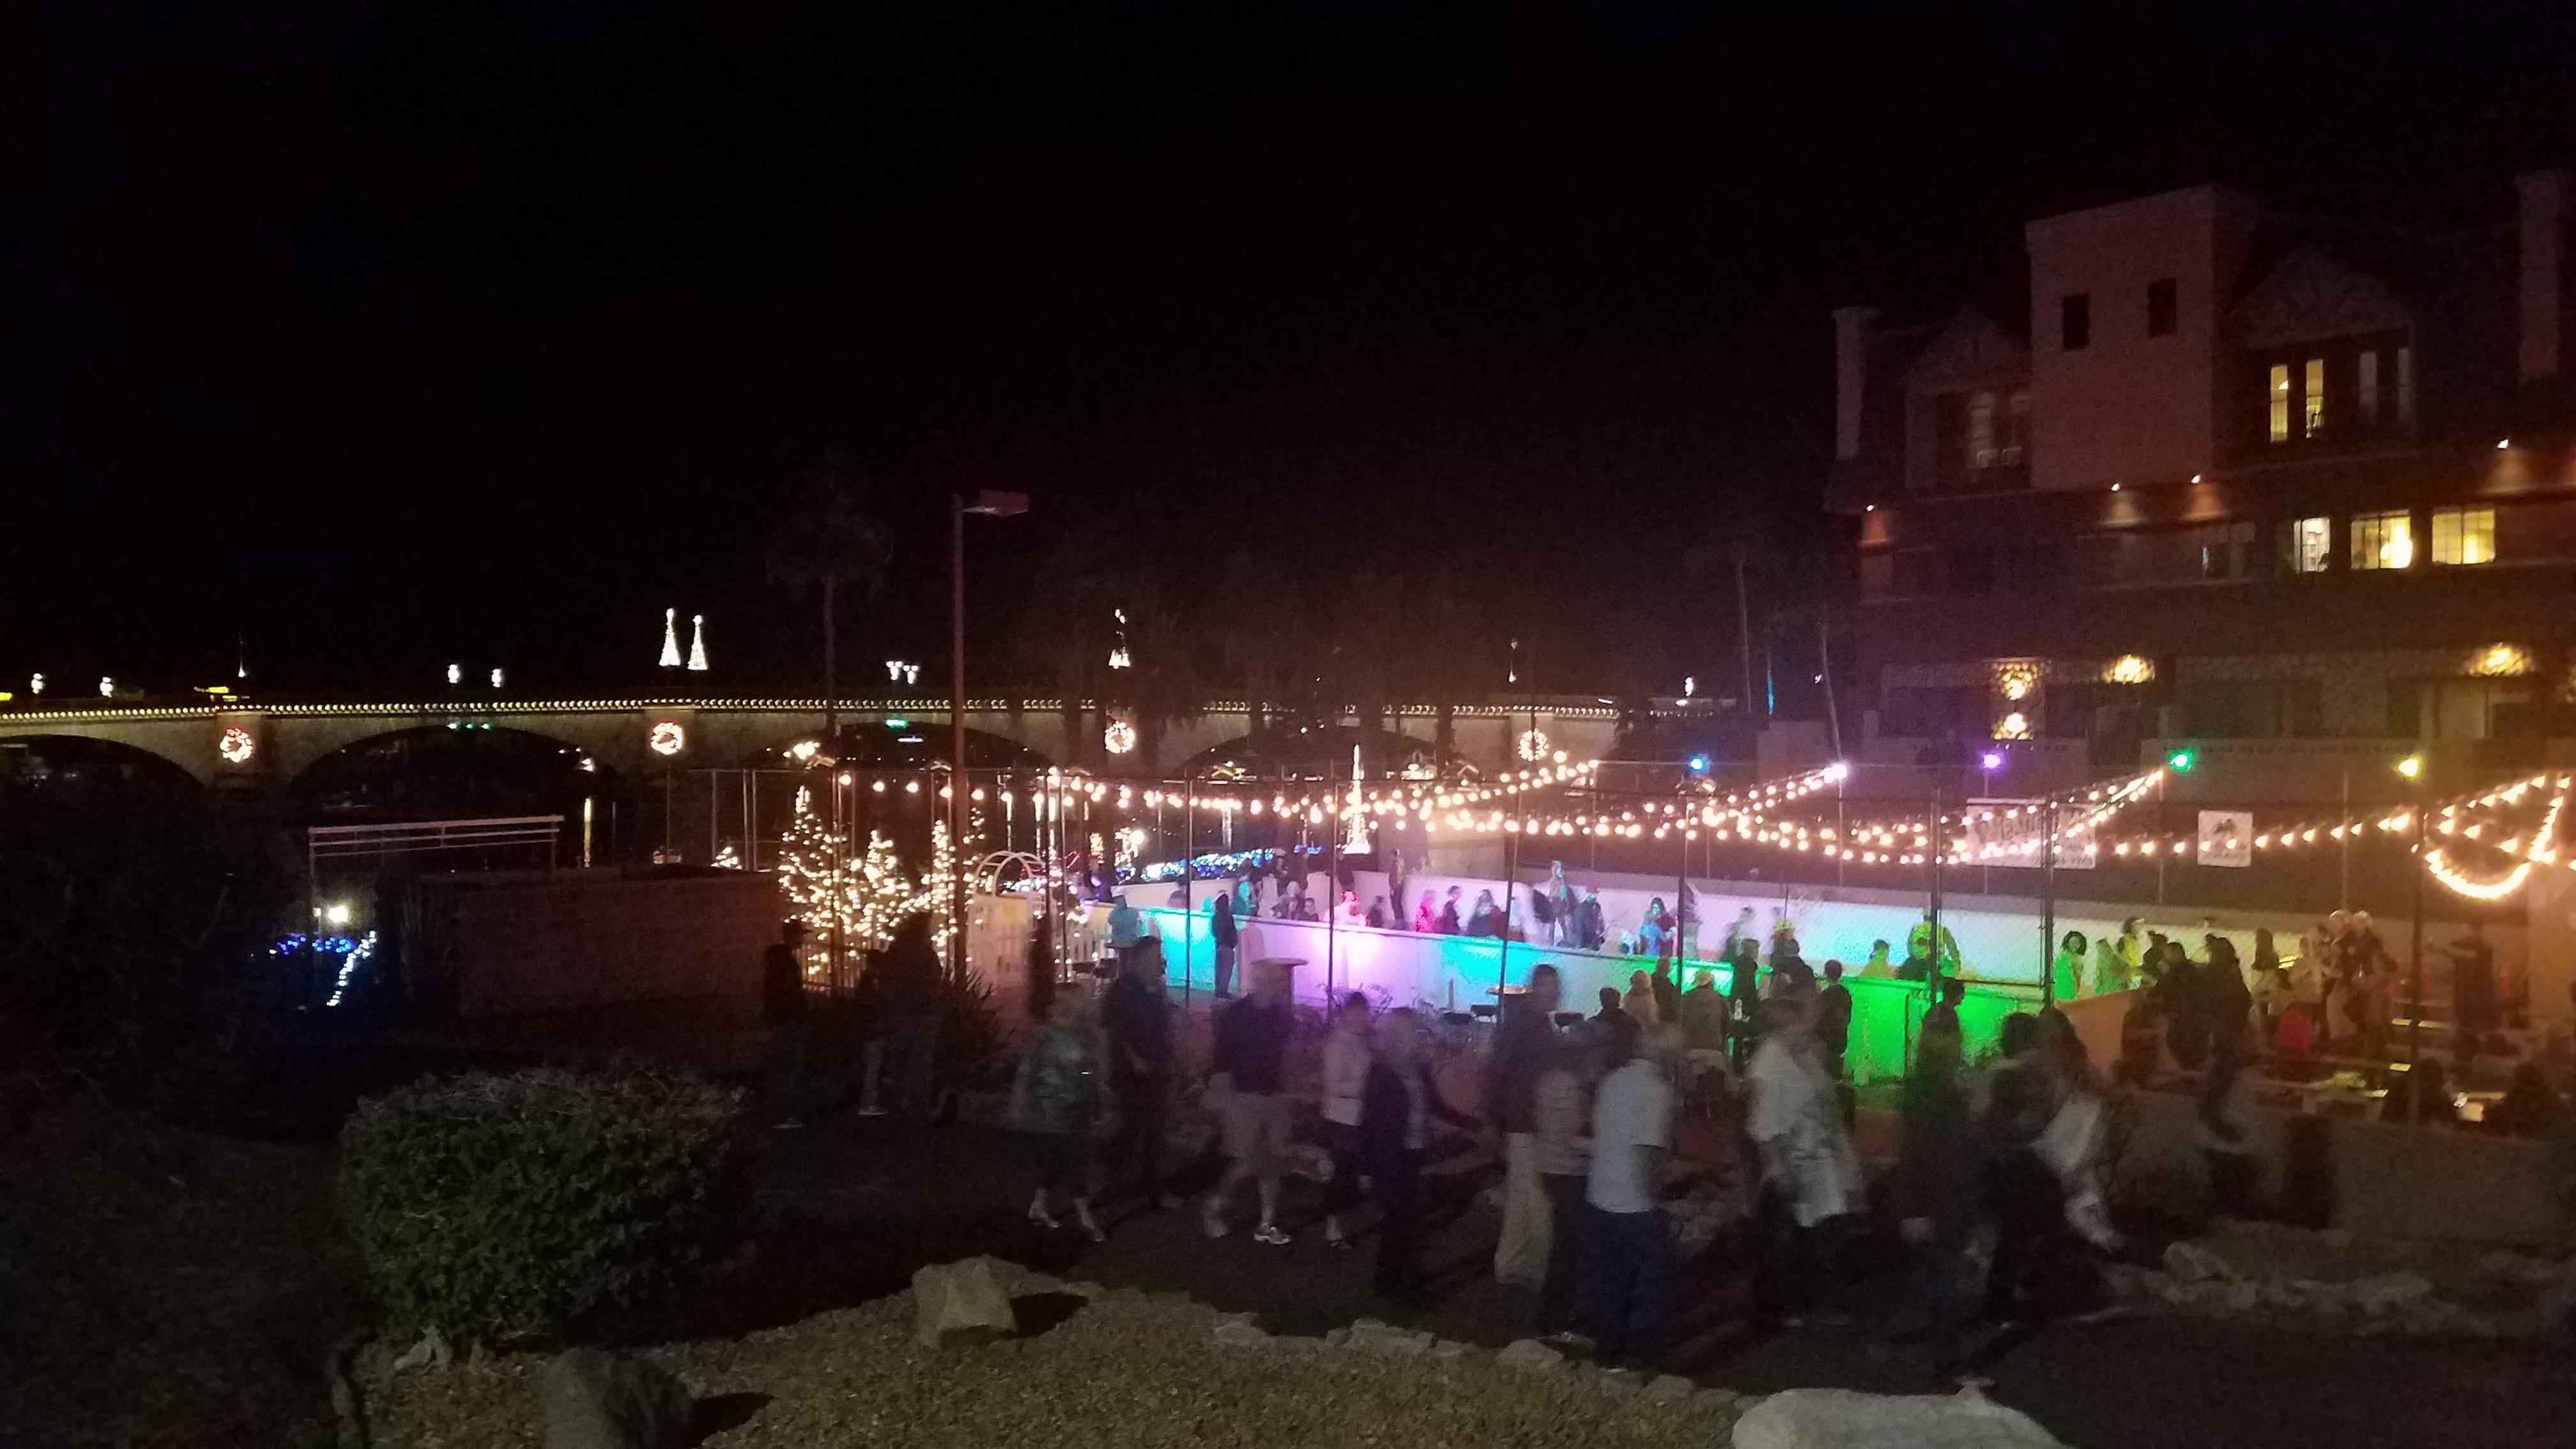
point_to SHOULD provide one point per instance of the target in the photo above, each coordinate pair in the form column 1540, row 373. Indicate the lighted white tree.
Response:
column 938, row 893
column 805, row 860
column 877, row 895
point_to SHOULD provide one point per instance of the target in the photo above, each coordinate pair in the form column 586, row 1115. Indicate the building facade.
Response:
column 2287, row 488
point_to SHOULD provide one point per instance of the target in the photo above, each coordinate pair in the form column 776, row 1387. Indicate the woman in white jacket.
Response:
column 1808, row 1165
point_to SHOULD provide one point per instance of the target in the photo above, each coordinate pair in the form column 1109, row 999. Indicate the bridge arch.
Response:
column 893, row 744
column 459, row 769
column 90, row 764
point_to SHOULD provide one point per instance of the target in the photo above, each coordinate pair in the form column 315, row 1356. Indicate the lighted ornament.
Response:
column 667, row 738
column 496, row 676
column 1120, row 737
column 698, row 643
column 456, row 674
column 804, row 751
column 670, row 638
column 1533, row 745
column 106, row 687
column 236, row 746
column 35, row 684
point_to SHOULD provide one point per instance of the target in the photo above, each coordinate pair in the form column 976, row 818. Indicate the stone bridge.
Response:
column 250, row 745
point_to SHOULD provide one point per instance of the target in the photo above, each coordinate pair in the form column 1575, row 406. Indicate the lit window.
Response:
column 1981, row 430
column 2306, row 545
column 2383, row 541
column 2316, row 414
column 2366, row 386
column 2280, row 402
column 2463, row 535
column 2406, row 387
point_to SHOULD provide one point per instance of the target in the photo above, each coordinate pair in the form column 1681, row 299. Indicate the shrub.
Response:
column 499, row 1207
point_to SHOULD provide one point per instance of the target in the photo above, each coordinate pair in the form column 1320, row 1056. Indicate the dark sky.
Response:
column 383, row 335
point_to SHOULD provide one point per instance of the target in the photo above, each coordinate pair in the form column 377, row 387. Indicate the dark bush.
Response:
column 503, row 1207
column 136, row 924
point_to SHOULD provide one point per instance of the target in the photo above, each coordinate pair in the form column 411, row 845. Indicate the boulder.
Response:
column 1667, row 1389
column 1450, row 1350
column 2192, row 1263
column 960, row 1302
column 589, row 1398
column 430, row 1352
column 1370, row 1336
column 2387, row 1292
column 1239, row 1332
column 1529, row 1353
column 1845, row 1419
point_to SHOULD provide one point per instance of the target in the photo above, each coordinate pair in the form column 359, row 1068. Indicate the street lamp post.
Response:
column 989, row 504
column 2412, row 767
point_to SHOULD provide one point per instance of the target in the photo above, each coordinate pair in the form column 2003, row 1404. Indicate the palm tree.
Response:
column 828, row 540
column 1067, row 627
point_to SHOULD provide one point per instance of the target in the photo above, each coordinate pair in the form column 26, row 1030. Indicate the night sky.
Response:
column 383, row 335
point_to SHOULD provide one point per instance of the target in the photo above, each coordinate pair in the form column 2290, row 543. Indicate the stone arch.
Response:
column 455, row 769
column 1309, row 753
column 871, row 744
column 79, row 759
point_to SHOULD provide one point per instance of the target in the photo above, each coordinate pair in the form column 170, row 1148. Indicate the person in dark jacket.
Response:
column 1590, row 929
column 1939, row 1182
column 1834, row 1019
column 2023, row 1192
column 1136, row 1017
column 1447, row 924
column 782, row 1008
column 1668, row 992
column 1789, row 970
column 1251, row 1056
column 1744, row 997
column 1223, row 935
column 1395, row 1108
column 1508, row 1102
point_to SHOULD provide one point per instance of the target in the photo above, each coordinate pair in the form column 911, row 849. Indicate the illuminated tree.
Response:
column 877, row 896
column 806, row 855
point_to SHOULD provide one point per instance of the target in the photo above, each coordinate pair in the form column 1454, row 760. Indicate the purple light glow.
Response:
column 1992, row 759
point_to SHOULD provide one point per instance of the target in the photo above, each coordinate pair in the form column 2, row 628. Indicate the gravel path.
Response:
column 1126, row 1368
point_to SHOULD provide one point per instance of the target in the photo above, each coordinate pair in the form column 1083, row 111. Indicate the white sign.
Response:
column 2226, row 837
column 2015, row 832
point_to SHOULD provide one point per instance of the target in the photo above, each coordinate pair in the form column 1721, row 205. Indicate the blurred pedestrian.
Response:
column 1346, row 1071
column 1564, row 1105
column 1225, row 936
column 1056, row 1099
column 1249, row 1082
column 1523, row 1044
column 1396, row 1104
column 1136, row 1019
column 1810, row 1175
column 1938, row 1192
column 1635, row 1269
column 782, row 1011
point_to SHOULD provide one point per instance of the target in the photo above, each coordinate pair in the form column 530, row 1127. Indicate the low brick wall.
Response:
column 2371, row 1178
column 503, row 944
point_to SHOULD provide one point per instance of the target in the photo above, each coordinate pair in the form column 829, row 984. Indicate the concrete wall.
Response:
column 2129, row 406
column 2379, row 1179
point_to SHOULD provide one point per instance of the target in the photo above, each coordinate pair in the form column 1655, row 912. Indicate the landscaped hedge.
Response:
column 500, row 1207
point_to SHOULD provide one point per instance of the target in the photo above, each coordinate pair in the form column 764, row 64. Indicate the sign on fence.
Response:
column 2015, row 832
column 2226, row 837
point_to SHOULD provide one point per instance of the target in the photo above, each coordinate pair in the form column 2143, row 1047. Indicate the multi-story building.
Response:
column 2228, row 475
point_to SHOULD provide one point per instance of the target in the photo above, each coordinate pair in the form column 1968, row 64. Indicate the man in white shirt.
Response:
column 1638, row 1270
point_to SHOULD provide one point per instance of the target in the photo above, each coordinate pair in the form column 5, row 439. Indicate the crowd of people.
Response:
column 1996, row 1188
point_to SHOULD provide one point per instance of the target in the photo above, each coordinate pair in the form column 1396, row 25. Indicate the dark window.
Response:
column 1877, row 574
column 2160, row 307
column 1918, row 572
column 1933, row 712
column 2074, row 321
column 2226, row 550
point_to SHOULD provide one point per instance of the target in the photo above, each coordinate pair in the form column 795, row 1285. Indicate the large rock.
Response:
column 1370, row 1336
column 590, row 1398
column 2388, row 1292
column 1843, row 1419
column 1529, row 1353
column 960, row 1302
column 2192, row 1263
